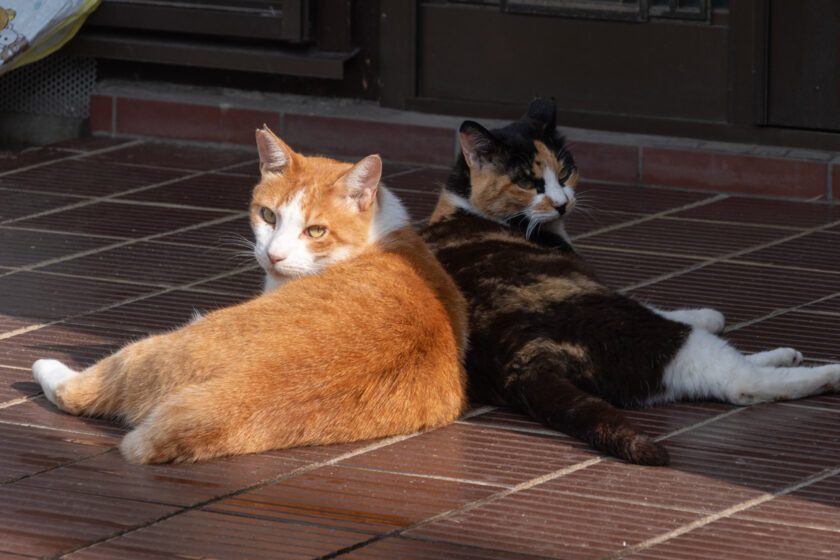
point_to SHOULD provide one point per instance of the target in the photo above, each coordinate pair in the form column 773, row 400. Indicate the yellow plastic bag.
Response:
column 32, row 29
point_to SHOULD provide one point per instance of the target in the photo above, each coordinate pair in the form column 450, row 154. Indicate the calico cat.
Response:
column 360, row 333
column 545, row 335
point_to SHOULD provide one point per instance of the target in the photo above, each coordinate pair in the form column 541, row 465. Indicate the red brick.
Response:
column 191, row 122
column 733, row 173
column 606, row 162
column 101, row 113
column 352, row 137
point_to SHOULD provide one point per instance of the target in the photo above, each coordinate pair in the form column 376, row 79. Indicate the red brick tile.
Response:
column 159, row 264
column 766, row 211
column 163, row 154
column 245, row 284
column 31, row 156
column 24, row 247
column 182, row 484
column 77, row 346
column 684, row 238
column 46, row 523
column 816, row 506
column 101, row 113
column 427, row 180
column 606, row 162
column 417, row 549
column 16, row 383
column 479, row 453
column 36, row 296
column 740, row 291
column 28, row 450
column 121, row 219
column 543, row 522
column 815, row 251
column 353, row 499
column 813, row 334
column 160, row 312
column 192, row 122
column 733, row 173
column 201, row 534
column 633, row 198
column 667, row 488
column 765, row 447
column 16, row 204
column 210, row 190
column 402, row 142
column 39, row 412
column 619, row 269
column 738, row 539
column 85, row 177
column 835, row 182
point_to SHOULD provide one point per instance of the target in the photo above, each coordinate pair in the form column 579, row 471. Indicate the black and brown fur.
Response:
column 546, row 336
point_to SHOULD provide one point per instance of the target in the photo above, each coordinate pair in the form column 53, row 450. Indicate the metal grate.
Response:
column 57, row 85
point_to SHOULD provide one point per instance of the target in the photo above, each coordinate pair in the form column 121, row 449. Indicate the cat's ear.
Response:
column 275, row 155
column 542, row 112
column 362, row 181
column 477, row 143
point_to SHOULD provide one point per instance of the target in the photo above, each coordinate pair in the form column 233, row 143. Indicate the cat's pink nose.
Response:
column 276, row 258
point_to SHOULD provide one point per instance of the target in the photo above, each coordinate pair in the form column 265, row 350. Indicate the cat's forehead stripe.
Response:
column 545, row 159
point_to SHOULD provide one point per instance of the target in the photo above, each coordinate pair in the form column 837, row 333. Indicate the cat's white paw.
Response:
column 50, row 374
column 778, row 357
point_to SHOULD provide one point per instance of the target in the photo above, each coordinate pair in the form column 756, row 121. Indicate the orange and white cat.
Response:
column 360, row 333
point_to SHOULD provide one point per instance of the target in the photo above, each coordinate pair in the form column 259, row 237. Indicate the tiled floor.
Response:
column 103, row 241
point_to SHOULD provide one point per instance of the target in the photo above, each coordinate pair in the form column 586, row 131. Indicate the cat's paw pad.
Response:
column 50, row 374
column 711, row 320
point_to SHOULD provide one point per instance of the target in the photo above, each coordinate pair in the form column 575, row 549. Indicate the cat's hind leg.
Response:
column 708, row 367
column 76, row 392
column 537, row 380
column 776, row 357
column 51, row 374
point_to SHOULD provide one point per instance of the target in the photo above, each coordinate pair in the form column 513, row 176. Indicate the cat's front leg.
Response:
column 707, row 319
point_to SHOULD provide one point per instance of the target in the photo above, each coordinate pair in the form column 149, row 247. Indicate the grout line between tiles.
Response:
column 649, row 217
column 160, row 292
column 728, row 512
column 700, row 424
column 468, row 507
column 79, row 155
column 256, row 486
column 726, row 257
column 114, row 196
column 510, row 490
column 809, row 407
column 125, row 242
column 442, row 478
column 776, row 313
column 53, row 467
column 57, row 429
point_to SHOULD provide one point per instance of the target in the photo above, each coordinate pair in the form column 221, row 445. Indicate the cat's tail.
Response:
column 564, row 407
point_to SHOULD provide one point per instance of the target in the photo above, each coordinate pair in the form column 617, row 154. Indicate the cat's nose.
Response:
column 276, row 258
column 561, row 208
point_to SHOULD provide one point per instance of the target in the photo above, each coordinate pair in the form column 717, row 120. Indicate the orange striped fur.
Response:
column 369, row 346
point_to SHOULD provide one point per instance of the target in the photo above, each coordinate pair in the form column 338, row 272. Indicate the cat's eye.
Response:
column 563, row 175
column 268, row 215
column 316, row 231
